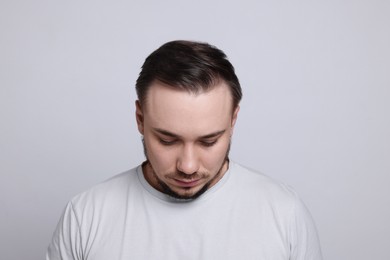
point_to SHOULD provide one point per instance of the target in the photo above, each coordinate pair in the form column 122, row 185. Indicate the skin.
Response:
column 186, row 138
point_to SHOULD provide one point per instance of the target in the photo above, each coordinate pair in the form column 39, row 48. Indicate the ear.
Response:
column 234, row 118
column 139, row 115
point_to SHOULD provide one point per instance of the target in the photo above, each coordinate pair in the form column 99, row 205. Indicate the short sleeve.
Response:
column 66, row 241
column 305, row 243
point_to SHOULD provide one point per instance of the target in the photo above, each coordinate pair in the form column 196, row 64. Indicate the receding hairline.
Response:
column 217, row 82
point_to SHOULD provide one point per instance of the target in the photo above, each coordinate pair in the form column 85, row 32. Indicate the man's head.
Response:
column 188, row 104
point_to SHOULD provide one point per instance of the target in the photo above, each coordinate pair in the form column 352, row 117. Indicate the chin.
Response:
column 184, row 195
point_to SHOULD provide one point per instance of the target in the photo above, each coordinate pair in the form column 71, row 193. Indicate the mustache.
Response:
column 184, row 176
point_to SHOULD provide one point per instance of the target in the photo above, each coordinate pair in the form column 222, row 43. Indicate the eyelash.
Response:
column 169, row 143
column 209, row 144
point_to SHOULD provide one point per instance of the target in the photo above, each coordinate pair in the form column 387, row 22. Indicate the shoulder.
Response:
column 261, row 193
column 256, row 182
column 112, row 190
column 276, row 203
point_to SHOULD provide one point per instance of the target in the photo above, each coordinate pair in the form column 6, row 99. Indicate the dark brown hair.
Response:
column 190, row 66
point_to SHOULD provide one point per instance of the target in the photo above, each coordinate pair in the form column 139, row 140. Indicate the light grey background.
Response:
column 315, row 112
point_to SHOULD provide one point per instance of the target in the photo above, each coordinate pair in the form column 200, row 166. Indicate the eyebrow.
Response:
column 167, row 133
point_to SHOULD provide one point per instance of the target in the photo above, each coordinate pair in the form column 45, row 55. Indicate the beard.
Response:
column 163, row 187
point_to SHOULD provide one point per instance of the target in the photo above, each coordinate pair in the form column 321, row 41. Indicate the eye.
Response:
column 167, row 142
column 208, row 143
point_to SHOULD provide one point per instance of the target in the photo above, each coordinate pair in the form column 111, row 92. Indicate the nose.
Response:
column 188, row 162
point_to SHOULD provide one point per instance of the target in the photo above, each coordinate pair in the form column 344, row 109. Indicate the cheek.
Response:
column 215, row 157
column 162, row 159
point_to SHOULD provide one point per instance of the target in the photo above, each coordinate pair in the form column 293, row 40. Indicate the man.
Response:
column 187, row 200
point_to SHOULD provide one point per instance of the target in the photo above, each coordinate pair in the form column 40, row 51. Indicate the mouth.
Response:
column 187, row 183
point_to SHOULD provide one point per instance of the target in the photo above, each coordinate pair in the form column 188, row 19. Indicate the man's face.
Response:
column 186, row 138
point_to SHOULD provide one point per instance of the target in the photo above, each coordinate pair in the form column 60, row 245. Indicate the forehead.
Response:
column 185, row 113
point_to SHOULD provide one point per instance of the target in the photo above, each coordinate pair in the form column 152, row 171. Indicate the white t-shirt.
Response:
column 246, row 215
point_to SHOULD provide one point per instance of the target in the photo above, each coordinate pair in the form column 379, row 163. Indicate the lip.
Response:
column 187, row 183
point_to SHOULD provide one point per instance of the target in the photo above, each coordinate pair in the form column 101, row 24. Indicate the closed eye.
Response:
column 167, row 142
column 208, row 143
